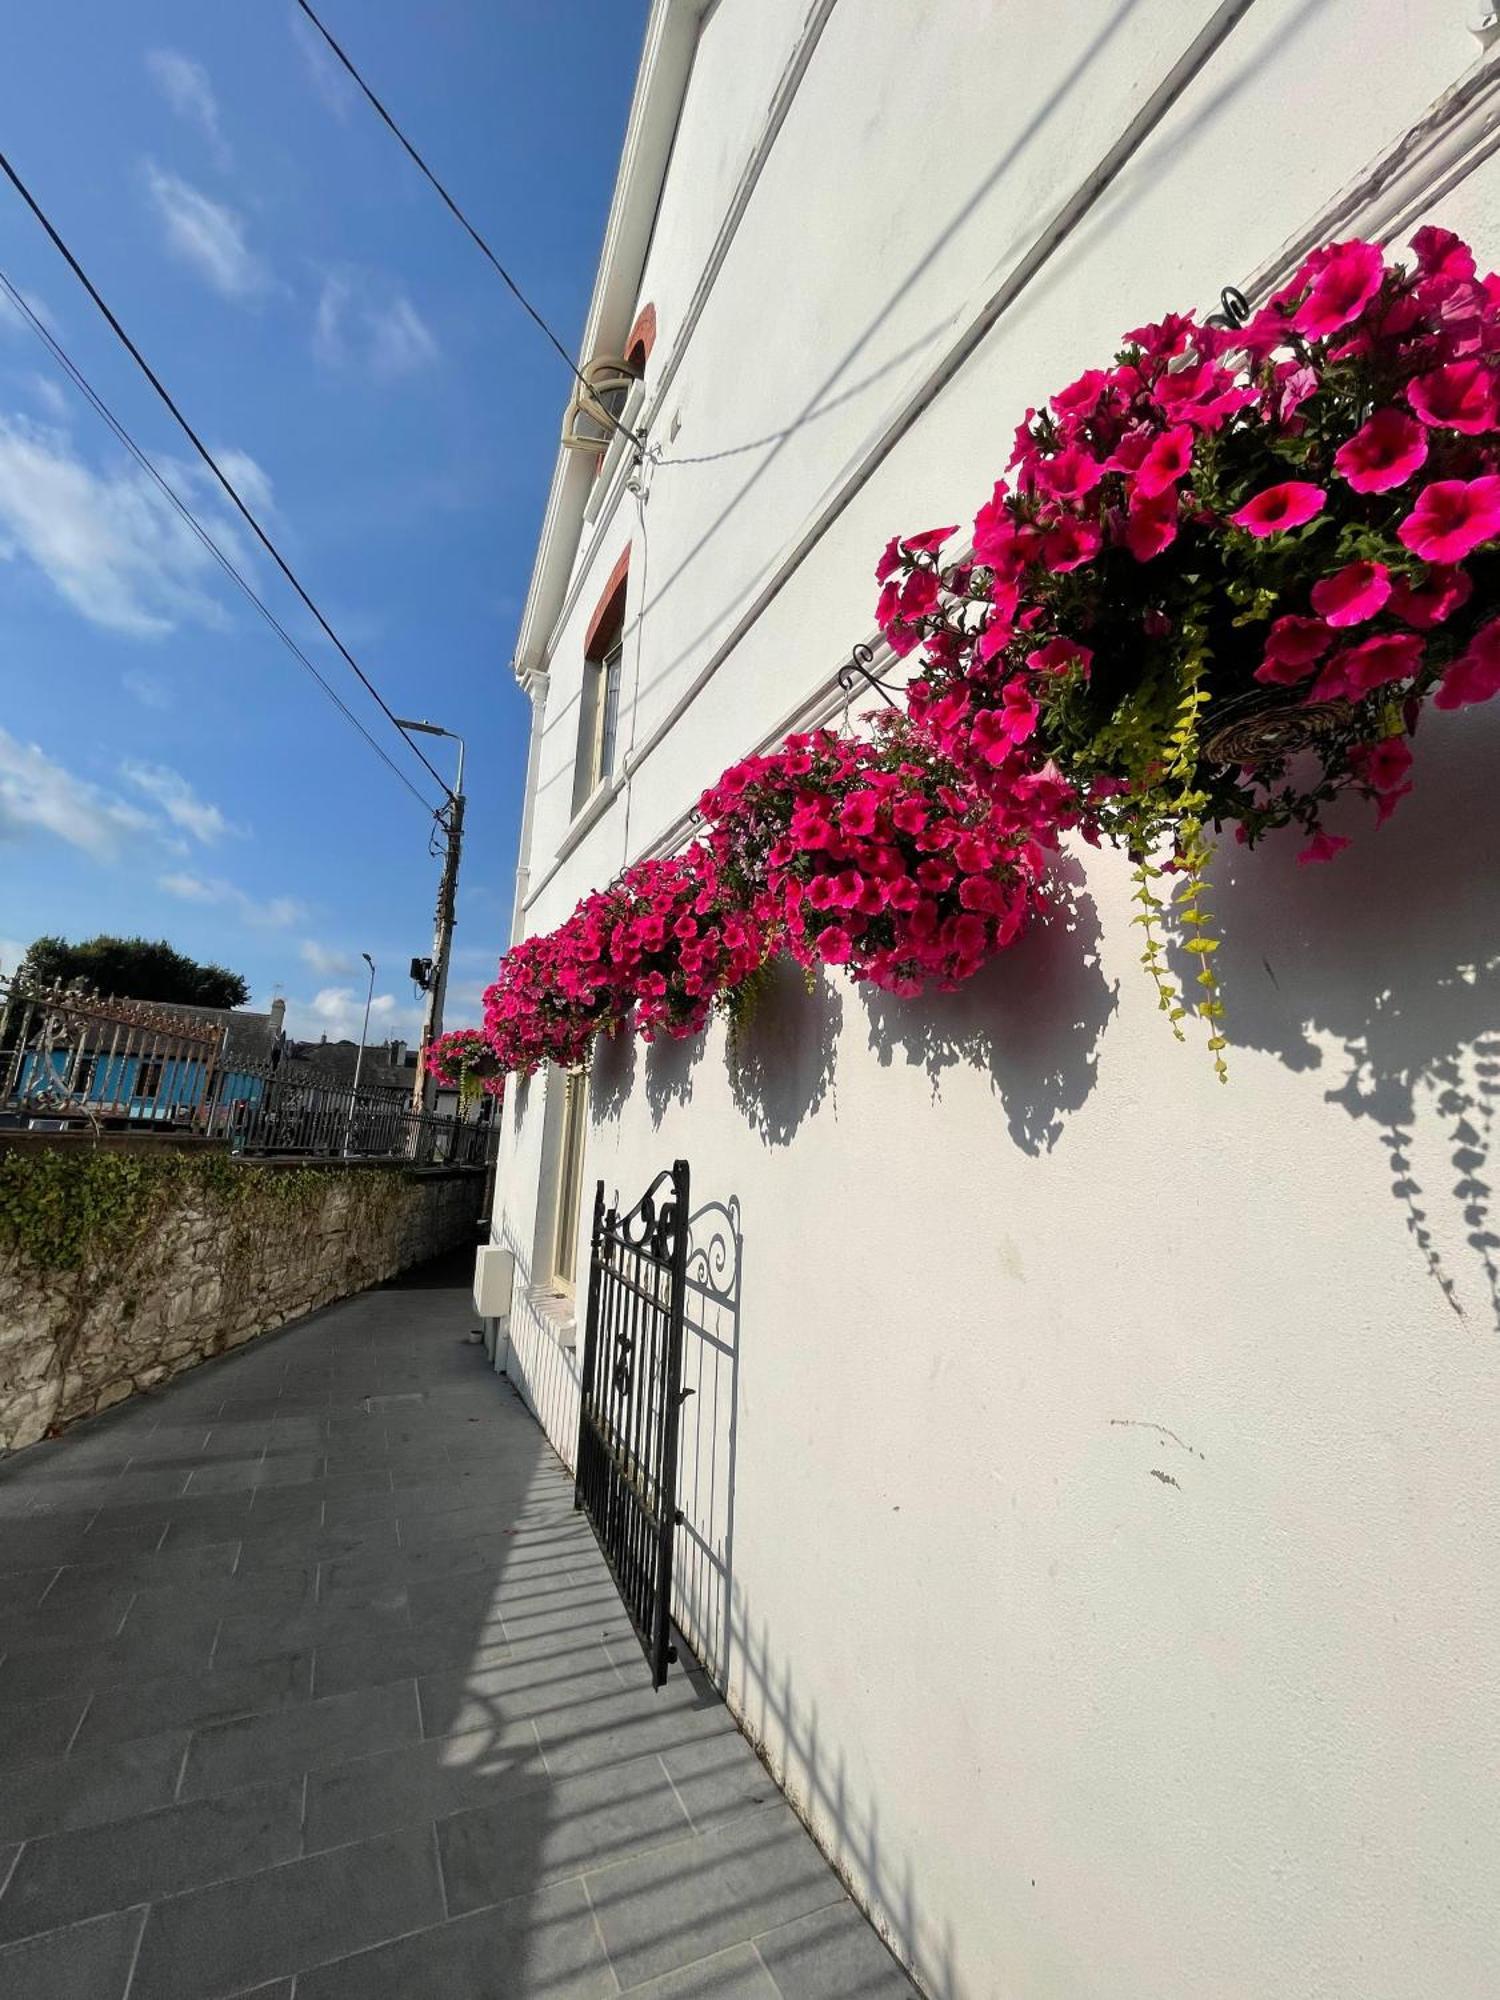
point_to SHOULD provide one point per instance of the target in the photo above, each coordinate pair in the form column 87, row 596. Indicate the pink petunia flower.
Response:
column 1451, row 518
column 1058, row 655
column 1071, row 475
column 1359, row 670
column 858, row 812
column 1384, row 452
column 1352, row 594
column 1298, row 641
column 1166, row 462
column 1348, row 279
column 1293, row 649
column 1446, row 590
column 1278, row 508
column 1021, row 710
column 1441, row 254
column 1459, row 396
column 1081, row 397
column 834, row 945
column 1069, row 543
column 1323, row 847
column 1384, row 765
column 1475, row 675
column 1151, row 524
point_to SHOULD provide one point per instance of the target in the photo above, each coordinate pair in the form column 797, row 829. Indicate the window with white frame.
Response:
column 570, row 1179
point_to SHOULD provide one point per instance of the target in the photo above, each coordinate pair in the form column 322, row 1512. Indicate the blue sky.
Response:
column 165, row 766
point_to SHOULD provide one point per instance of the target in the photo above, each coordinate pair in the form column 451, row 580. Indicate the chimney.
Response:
column 278, row 1017
column 398, row 1052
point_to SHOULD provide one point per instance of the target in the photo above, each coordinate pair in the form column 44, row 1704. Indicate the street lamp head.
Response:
column 368, row 961
column 422, row 728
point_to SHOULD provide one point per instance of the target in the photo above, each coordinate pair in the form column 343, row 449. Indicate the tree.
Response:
column 133, row 969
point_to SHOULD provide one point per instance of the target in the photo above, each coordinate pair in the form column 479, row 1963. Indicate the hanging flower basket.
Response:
column 1226, row 573
column 555, row 991
column 463, row 1060
column 873, row 855
column 681, row 943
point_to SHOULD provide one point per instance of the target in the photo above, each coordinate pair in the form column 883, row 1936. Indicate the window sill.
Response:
column 589, row 813
column 558, row 1315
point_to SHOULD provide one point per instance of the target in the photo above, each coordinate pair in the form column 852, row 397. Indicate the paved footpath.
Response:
column 314, row 1687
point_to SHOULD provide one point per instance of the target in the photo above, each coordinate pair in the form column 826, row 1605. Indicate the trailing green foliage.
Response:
column 62, row 1209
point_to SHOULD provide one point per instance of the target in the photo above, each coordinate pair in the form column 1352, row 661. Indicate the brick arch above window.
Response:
column 642, row 339
column 609, row 613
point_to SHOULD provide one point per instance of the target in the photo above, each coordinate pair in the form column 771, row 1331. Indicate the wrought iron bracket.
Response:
column 857, row 668
column 1234, row 310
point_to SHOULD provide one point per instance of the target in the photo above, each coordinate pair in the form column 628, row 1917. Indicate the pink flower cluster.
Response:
column 1334, row 464
column 461, row 1054
column 681, row 941
column 876, row 856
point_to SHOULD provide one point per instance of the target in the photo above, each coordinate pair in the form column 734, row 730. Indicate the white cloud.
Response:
column 185, row 85
column 365, row 321
column 339, row 1011
column 109, row 541
column 279, row 913
column 12, row 951
column 51, row 395
column 325, row 960
column 146, row 689
column 13, row 320
column 37, row 794
column 178, row 801
column 251, row 481
column 207, row 235
column 328, row 78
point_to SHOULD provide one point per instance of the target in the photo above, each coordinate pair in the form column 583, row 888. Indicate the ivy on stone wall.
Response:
column 61, row 1209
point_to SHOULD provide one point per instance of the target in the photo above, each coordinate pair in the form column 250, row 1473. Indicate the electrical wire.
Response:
column 458, row 214
column 210, row 461
column 102, row 409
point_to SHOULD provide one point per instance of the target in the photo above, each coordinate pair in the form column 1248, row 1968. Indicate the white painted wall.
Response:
column 1094, row 1497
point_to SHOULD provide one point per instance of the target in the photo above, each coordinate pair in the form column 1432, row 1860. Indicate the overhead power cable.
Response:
column 463, row 220
column 210, row 461
column 96, row 401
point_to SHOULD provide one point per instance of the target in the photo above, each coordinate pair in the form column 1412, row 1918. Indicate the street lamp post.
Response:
column 359, row 1060
column 452, row 819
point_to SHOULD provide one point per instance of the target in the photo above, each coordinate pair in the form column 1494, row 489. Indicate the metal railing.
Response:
column 72, row 1061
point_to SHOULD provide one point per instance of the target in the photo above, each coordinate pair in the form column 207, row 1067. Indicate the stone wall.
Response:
column 218, row 1253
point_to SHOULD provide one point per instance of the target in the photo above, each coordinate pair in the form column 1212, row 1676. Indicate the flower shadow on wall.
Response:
column 611, row 1075
column 781, row 1059
column 1033, row 1017
column 670, row 1063
column 1394, row 951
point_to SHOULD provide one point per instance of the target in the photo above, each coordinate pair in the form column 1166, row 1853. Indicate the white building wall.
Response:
column 1094, row 1481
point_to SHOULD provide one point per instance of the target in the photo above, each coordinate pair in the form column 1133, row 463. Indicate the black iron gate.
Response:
column 632, row 1398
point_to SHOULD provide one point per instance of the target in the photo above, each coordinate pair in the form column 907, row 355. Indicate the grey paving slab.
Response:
column 141, row 1654
column 664, row 1909
column 193, row 1701
column 317, row 1675
column 86, row 1790
column 832, row 1955
column 307, row 1737
column 345, row 1664
column 718, row 1777
column 253, row 1635
column 89, row 1961
column 215, row 1941
column 69, row 1876
column 532, row 1945
column 32, row 1730
column 736, row 1974
column 545, row 1835
column 180, row 1567
column 421, row 1782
